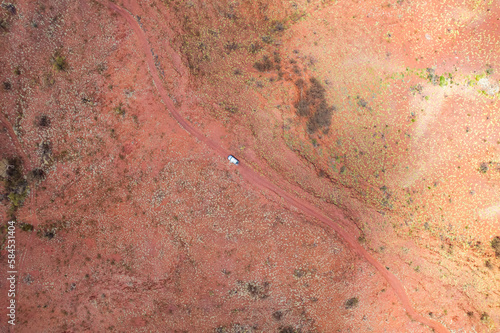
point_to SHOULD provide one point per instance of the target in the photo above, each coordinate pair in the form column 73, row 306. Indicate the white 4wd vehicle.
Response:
column 233, row 159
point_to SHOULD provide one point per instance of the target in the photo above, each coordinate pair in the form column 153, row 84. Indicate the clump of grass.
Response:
column 442, row 81
column 351, row 303
column 119, row 110
column 254, row 48
column 278, row 27
column 362, row 102
column 16, row 184
column 231, row 46
column 483, row 168
column 26, row 227
column 59, row 63
column 278, row 315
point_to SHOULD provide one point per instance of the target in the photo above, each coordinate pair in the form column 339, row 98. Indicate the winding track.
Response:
column 256, row 179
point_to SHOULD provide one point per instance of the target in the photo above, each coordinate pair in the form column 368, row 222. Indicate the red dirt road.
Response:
column 256, row 179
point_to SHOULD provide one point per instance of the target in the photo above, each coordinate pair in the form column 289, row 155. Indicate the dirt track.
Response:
column 258, row 180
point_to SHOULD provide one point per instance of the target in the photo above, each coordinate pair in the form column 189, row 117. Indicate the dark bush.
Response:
column 44, row 121
column 7, row 85
column 266, row 39
column 232, row 46
column 259, row 291
column 351, row 303
column 277, row 58
column 278, row 315
column 322, row 118
column 49, row 234
column 288, row 329
column 300, row 83
column 314, row 105
column 45, row 148
column 279, row 26
column 10, row 8
column 483, row 168
column 38, row 174
column 264, row 65
column 362, row 103
column 495, row 244
column 254, row 48
column 316, row 91
column 302, row 108
column 26, row 227
column 4, row 25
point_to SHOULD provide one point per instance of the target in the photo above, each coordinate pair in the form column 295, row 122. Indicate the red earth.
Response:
column 366, row 199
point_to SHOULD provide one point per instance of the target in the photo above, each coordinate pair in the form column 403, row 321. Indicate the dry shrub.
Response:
column 314, row 105
column 264, row 65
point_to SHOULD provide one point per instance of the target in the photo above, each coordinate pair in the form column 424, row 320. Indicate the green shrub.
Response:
column 59, row 63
